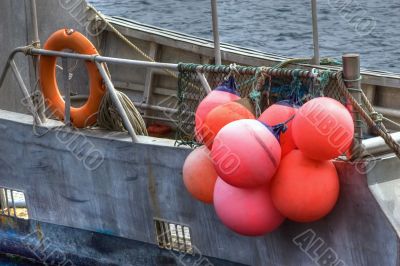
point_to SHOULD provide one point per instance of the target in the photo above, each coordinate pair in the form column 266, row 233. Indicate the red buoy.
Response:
column 224, row 93
column 278, row 113
column 246, row 153
column 199, row 175
column 303, row 189
column 323, row 129
column 248, row 212
column 221, row 116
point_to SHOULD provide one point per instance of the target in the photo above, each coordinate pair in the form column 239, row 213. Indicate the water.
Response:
column 369, row 27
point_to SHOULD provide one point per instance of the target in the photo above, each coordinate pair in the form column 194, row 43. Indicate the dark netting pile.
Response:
column 279, row 84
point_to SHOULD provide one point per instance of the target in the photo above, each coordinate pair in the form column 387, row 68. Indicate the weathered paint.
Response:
column 137, row 182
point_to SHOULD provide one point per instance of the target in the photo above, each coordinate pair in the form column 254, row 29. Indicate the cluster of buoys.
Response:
column 256, row 173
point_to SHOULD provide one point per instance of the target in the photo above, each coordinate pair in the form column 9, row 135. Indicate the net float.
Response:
column 282, row 112
column 247, row 212
column 221, row 116
column 303, row 189
column 225, row 92
column 246, row 153
column 199, row 175
column 323, row 128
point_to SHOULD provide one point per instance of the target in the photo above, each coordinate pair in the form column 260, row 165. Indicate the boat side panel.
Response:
column 135, row 183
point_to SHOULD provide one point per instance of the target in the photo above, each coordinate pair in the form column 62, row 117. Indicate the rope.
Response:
column 109, row 118
column 127, row 41
column 379, row 127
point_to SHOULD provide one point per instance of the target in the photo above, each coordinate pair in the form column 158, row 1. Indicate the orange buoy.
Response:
column 246, row 153
column 278, row 113
column 221, row 116
column 248, row 212
column 323, row 129
column 199, row 175
column 303, row 189
column 85, row 115
column 226, row 92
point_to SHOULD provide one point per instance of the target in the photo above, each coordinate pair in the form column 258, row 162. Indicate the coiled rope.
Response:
column 109, row 118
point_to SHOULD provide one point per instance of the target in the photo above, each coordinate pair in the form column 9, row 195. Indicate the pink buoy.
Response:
column 323, row 129
column 281, row 112
column 226, row 92
column 199, row 175
column 246, row 153
column 248, row 212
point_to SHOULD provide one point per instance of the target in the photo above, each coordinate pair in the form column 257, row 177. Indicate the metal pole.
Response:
column 36, row 40
column 217, row 49
column 315, row 31
column 204, row 82
column 138, row 63
column 377, row 145
column 116, row 101
column 67, row 92
column 351, row 74
column 25, row 92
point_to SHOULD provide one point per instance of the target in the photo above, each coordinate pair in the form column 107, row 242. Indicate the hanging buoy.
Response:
column 226, row 92
column 303, row 189
column 246, row 153
column 323, row 129
column 248, row 212
column 281, row 112
column 199, row 175
column 221, row 116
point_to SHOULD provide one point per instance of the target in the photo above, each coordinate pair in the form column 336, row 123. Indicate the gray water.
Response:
column 369, row 27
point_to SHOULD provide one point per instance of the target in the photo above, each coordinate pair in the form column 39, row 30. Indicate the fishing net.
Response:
column 280, row 84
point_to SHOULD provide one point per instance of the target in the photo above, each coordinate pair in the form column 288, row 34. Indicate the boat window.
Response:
column 173, row 236
column 13, row 203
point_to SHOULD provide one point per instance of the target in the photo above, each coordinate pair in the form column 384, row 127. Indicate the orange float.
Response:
column 278, row 113
column 246, row 153
column 248, row 212
column 85, row 115
column 323, row 128
column 199, row 175
column 221, row 116
column 226, row 92
column 303, row 189
column 158, row 130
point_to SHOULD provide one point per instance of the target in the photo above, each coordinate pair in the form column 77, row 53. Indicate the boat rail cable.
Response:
column 126, row 40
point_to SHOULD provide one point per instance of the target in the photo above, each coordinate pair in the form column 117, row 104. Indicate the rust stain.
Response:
column 152, row 188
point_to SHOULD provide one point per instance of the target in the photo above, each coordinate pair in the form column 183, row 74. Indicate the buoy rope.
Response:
column 378, row 126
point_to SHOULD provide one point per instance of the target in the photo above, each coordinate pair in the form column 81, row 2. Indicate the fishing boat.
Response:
column 96, row 196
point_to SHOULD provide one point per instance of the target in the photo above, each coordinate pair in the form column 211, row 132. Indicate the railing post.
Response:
column 116, row 102
column 217, row 49
column 35, row 30
column 352, row 78
column 67, row 92
column 315, row 31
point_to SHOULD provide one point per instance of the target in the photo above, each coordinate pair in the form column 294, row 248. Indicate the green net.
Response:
column 281, row 84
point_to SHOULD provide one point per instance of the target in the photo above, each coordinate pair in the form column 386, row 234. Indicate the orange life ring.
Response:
column 85, row 115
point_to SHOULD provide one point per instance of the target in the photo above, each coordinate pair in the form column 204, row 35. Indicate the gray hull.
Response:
column 136, row 183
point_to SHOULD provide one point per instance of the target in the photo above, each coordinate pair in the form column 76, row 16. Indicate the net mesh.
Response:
column 280, row 85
